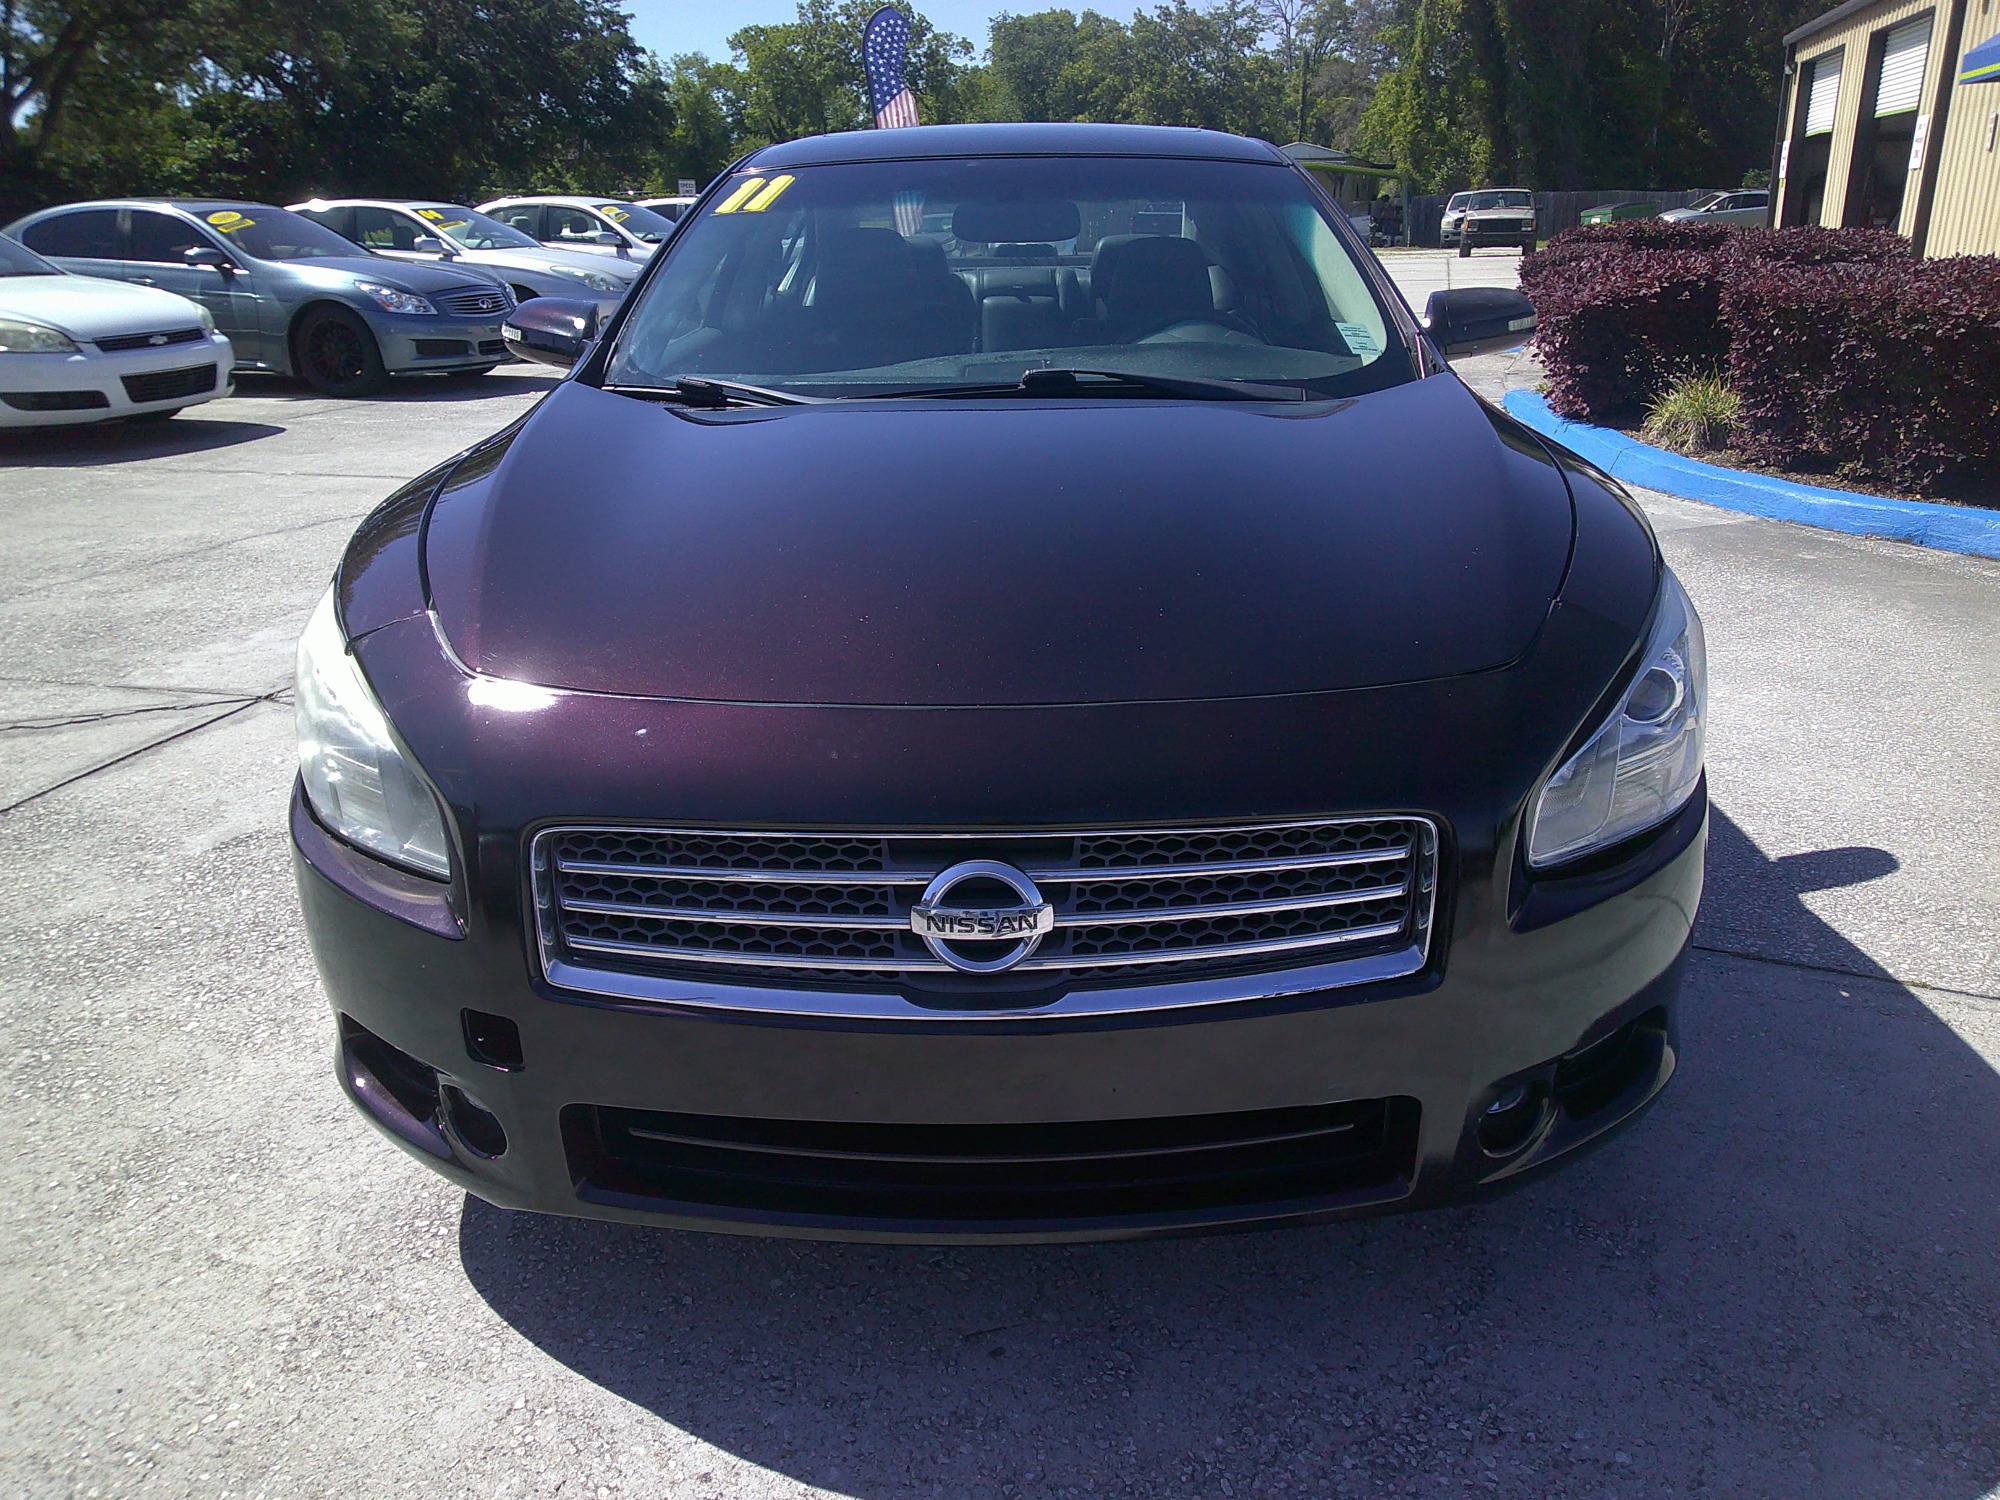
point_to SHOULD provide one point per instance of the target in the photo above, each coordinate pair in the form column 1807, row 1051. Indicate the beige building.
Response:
column 1882, row 124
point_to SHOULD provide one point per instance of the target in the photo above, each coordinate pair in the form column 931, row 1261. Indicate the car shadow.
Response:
column 508, row 380
column 1779, row 1283
column 101, row 443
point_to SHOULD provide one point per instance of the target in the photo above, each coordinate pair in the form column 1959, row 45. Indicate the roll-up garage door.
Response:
column 1823, row 98
column 1904, row 52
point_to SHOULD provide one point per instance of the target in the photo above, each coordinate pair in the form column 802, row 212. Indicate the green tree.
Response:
column 805, row 76
column 1308, row 34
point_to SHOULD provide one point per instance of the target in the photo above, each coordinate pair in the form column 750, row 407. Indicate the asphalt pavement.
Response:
column 215, row 1280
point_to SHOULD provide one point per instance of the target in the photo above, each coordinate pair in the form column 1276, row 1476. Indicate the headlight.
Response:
column 355, row 777
column 207, row 319
column 1641, row 766
column 597, row 281
column 394, row 300
column 32, row 338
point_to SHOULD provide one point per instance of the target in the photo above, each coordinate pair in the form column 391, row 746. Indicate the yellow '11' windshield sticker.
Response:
column 754, row 196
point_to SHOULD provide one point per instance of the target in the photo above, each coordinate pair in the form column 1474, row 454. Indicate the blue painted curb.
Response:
column 1949, row 528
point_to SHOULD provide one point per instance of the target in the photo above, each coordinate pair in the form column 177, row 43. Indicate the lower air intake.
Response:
column 971, row 1174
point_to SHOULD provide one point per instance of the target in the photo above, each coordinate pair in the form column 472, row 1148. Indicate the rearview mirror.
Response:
column 994, row 223
column 605, row 237
column 1478, row 320
column 203, row 255
column 430, row 244
column 551, row 330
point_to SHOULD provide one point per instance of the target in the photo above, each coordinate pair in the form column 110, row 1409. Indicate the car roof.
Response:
column 378, row 203
column 1034, row 139
column 581, row 200
column 185, row 205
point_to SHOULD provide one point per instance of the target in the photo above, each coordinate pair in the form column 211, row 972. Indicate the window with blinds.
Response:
column 1905, row 50
column 1823, row 93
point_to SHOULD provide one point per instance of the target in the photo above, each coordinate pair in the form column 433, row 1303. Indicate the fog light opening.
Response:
column 1510, row 1122
column 475, row 1126
column 492, row 1040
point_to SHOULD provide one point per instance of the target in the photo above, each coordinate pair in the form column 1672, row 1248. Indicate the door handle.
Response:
column 144, row 281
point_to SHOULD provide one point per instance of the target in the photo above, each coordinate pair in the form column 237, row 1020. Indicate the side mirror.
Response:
column 203, row 255
column 430, row 244
column 551, row 330
column 605, row 237
column 1478, row 320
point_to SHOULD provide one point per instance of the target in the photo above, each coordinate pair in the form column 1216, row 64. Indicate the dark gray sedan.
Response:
column 294, row 297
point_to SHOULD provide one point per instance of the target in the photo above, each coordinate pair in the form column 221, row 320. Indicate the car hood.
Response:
column 552, row 260
column 999, row 553
column 422, row 277
column 1676, row 215
column 89, row 307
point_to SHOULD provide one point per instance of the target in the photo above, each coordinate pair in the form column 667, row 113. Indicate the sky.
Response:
column 671, row 26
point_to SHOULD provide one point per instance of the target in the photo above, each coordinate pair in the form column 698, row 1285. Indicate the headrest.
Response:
column 1151, row 273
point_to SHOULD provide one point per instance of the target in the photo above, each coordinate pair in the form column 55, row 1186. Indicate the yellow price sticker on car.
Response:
column 432, row 214
column 755, row 195
column 228, row 220
column 613, row 212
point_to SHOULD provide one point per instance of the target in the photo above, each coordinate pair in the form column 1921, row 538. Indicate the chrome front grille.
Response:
column 833, row 910
column 474, row 302
column 123, row 341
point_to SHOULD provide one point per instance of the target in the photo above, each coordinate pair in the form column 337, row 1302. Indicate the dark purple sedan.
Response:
column 1010, row 695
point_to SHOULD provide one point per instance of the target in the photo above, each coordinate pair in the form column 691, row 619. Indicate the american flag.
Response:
column 882, row 47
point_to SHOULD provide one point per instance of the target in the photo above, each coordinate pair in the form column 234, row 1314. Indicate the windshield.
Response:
column 265, row 233
column 1706, row 200
column 641, row 223
column 1476, row 201
column 18, row 260
column 472, row 230
column 896, row 277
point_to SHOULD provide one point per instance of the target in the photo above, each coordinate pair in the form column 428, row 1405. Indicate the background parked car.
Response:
column 293, row 297
column 416, row 229
column 668, row 208
column 602, row 226
column 82, row 349
column 1750, row 206
column 1490, row 216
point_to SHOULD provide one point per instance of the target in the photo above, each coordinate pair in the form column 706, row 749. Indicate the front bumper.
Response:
column 1504, row 232
column 1288, row 1109
column 53, row 390
column 413, row 345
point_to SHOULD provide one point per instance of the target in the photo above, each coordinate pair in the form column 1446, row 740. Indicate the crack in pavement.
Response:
column 1881, row 977
column 30, row 726
column 147, row 748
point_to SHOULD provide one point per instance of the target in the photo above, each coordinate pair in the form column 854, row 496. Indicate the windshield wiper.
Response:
column 1041, row 382
column 694, row 390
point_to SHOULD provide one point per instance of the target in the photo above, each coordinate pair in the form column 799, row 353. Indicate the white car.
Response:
column 598, row 226
column 674, row 208
column 81, row 349
column 419, row 229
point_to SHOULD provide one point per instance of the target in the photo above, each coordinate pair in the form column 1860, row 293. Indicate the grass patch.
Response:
column 1696, row 414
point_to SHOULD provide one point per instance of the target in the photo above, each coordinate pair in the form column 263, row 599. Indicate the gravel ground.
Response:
column 215, row 1280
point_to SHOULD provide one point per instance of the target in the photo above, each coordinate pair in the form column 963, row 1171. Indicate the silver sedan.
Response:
column 426, row 230
column 293, row 298
column 1751, row 206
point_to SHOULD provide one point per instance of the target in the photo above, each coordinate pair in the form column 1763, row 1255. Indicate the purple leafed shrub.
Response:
column 1850, row 356
column 1615, row 328
column 1888, row 371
